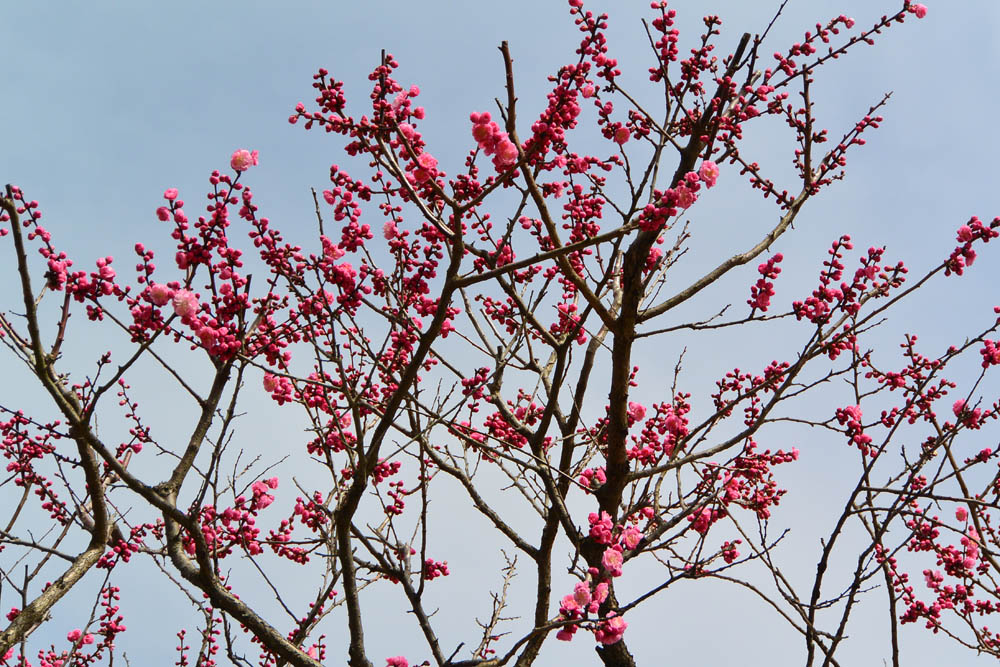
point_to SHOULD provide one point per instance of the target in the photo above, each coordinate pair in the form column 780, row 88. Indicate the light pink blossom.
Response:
column 613, row 561
column 185, row 303
column 920, row 11
column 389, row 230
column 709, row 172
column 170, row 194
column 631, row 537
column 160, row 294
column 243, row 159
column 581, row 593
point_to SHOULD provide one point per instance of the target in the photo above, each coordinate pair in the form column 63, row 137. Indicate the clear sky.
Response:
column 107, row 104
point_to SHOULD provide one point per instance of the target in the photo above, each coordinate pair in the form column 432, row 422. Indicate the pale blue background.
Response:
column 106, row 104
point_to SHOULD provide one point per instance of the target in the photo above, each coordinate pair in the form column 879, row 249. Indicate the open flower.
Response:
column 243, row 160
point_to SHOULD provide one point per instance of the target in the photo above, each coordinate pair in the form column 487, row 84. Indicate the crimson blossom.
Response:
column 503, row 335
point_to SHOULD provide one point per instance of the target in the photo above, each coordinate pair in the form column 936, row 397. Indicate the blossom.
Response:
column 160, row 294
column 427, row 161
column 398, row 661
column 88, row 638
column 613, row 561
column 389, row 230
column 685, row 197
column 207, row 336
column 601, row 591
column 631, row 537
column 636, row 411
column 581, row 594
column 920, row 11
column 270, row 383
column 611, row 630
column 170, row 194
column 622, row 135
column 961, row 514
column 185, row 303
column 74, row 635
column 506, row 152
column 243, row 159
column 587, row 90
column 709, row 172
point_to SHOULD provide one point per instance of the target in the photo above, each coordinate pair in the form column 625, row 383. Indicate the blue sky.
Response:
column 107, row 104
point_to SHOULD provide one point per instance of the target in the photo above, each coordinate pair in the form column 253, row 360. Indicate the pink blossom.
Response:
column 312, row 653
column 636, row 411
column 613, row 561
column 207, row 336
column 622, row 135
column 170, row 194
column 270, row 383
column 920, row 11
column 88, row 638
column 389, row 230
column 163, row 213
column 581, row 593
column 427, row 161
column 160, row 294
column 611, row 630
column 709, row 172
column 631, row 537
column 961, row 514
column 74, row 635
column 588, row 90
column 569, row 605
column 398, row 661
column 481, row 133
column 185, row 303
column 506, row 152
column 685, row 197
column 243, row 160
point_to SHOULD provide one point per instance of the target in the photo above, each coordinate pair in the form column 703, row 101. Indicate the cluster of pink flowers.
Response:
column 588, row 596
column 682, row 196
column 493, row 141
column 850, row 417
column 78, row 634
